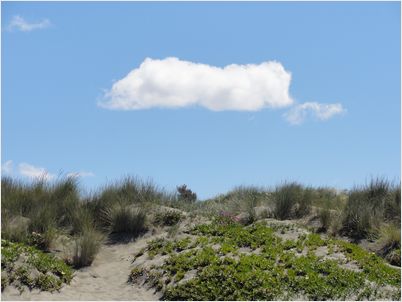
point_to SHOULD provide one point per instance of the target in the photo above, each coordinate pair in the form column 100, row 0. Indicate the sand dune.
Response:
column 105, row 279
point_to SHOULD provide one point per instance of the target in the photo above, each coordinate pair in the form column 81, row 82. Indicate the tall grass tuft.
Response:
column 390, row 243
column 244, row 199
column 129, row 191
column 325, row 219
column 291, row 200
column 124, row 219
column 370, row 206
column 86, row 247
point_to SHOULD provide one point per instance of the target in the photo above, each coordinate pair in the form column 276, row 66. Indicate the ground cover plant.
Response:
column 27, row 267
column 225, row 260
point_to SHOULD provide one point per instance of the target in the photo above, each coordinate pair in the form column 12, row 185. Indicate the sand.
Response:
column 105, row 279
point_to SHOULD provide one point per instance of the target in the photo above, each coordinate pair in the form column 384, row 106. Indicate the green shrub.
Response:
column 274, row 273
column 19, row 260
column 168, row 218
column 186, row 194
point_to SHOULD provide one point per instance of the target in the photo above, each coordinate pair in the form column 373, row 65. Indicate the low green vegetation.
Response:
column 27, row 267
column 228, row 261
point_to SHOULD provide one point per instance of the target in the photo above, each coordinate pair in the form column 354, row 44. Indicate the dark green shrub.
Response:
column 186, row 194
column 168, row 218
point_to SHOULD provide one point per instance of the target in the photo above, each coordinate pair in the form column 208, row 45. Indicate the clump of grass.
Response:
column 325, row 219
column 243, row 200
column 14, row 228
column 46, row 206
column 86, row 247
column 291, row 200
column 390, row 243
column 124, row 219
column 368, row 207
column 168, row 218
column 128, row 192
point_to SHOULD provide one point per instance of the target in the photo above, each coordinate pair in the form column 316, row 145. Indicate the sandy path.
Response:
column 105, row 279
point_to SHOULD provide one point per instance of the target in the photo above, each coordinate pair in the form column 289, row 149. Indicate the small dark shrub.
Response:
column 168, row 218
column 186, row 194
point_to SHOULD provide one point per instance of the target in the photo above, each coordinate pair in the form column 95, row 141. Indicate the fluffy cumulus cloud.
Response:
column 7, row 167
column 298, row 113
column 30, row 171
column 19, row 23
column 174, row 83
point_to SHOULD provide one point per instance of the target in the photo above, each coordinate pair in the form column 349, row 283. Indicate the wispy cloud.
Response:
column 80, row 174
column 174, row 83
column 34, row 172
column 19, row 23
column 7, row 167
column 298, row 113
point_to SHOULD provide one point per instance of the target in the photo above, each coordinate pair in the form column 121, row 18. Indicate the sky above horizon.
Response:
column 212, row 95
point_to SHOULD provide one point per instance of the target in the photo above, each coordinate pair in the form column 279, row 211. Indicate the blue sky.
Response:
column 324, row 109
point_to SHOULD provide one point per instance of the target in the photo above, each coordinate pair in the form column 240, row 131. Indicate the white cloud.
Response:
column 19, row 23
column 34, row 172
column 298, row 113
column 80, row 174
column 173, row 83
column 7, row 167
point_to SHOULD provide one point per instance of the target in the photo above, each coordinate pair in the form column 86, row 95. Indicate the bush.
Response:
column 124, row 219
column 186, row 194
column 86, row 247
column 168, row 218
